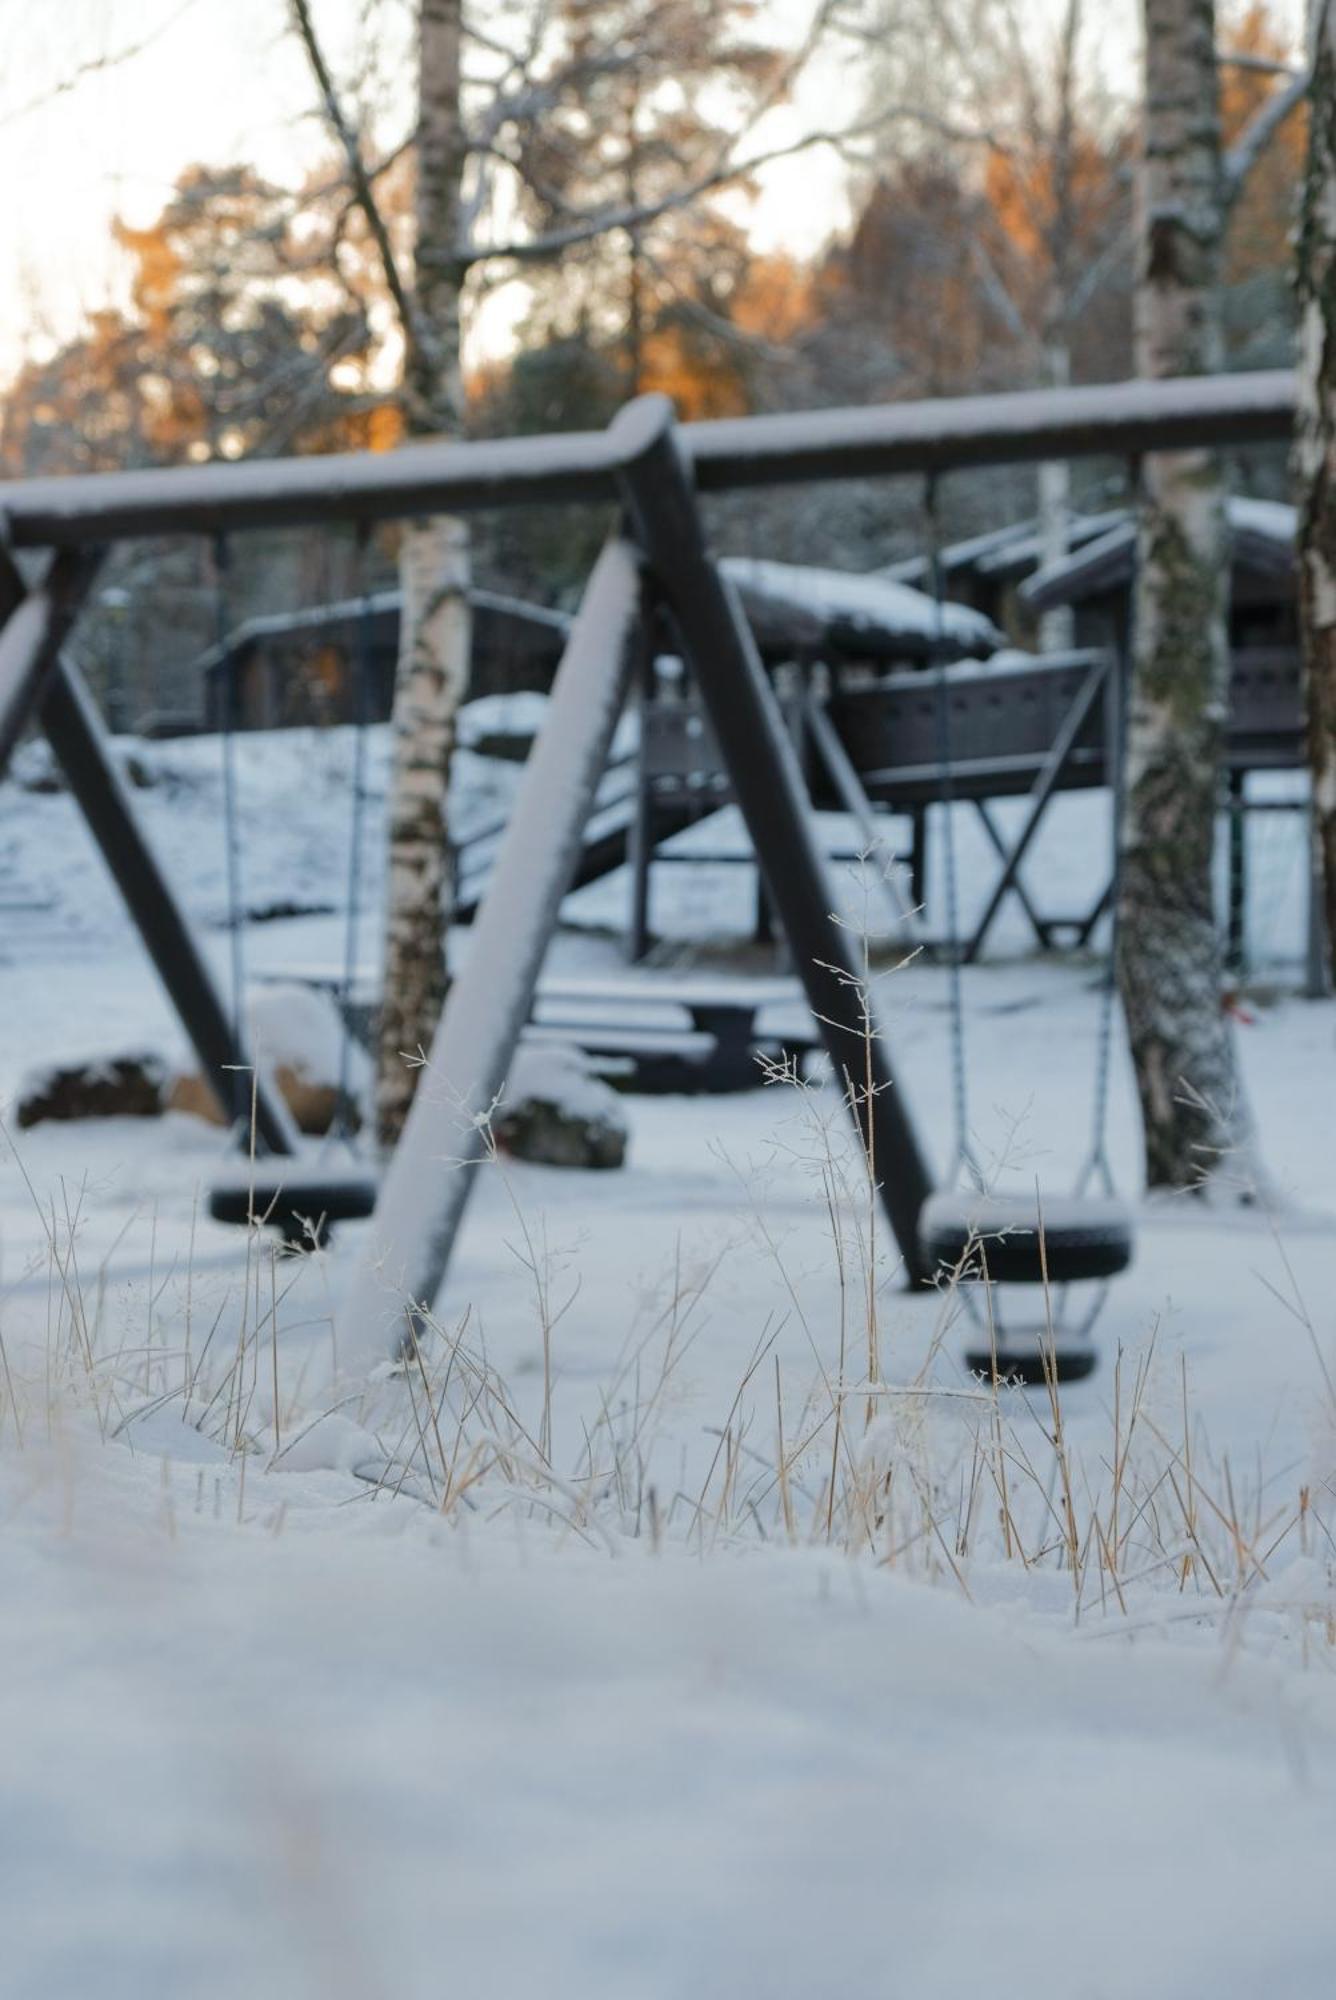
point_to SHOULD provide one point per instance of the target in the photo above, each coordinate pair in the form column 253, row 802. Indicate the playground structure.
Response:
column 660, row 568
column 848, row 653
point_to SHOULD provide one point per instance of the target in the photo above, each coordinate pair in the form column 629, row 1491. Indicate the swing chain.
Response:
column 343, row 1128
column 964, row 1153
column 1097, row 1163
column 227, row 668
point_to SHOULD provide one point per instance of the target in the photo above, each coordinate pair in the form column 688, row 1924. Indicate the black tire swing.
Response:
column 299, row 1196
column 972, row 1236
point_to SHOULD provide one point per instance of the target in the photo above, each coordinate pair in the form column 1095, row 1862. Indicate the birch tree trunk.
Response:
column 1315, row 455
column 434, row 580
column 1169, row 960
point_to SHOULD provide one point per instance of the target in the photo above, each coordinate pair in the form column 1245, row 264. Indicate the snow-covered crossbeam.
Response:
column 428, row 1180
column 936, row 436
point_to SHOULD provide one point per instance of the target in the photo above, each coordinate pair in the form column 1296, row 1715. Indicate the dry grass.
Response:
column 923, row 1470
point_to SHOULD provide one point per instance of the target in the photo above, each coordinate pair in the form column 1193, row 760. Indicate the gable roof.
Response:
column 1262, row 533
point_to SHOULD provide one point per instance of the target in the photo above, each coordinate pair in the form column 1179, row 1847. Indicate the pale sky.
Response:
column 219, row 81
column 215, row 81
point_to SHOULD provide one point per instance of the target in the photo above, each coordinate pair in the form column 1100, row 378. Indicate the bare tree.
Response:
column 1315, row 458
column 1020, row 93
column 1022, row 100
column 1169, row 965
column 433, row 554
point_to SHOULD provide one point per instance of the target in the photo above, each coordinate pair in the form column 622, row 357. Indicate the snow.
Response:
column 353, row 1753
column 1009, row 427
column 559, row 1074
column 283, row 1714
column 873, row 607
column 297, row 1027
column 518, row 714
column 1277, row 520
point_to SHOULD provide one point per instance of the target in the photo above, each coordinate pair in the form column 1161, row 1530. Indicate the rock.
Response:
column 313, row 1105
column 298, row 1032
column 137, row 769
column 129, row 1086
column 33, row 767
column 190, row 1094
column 557, row 1113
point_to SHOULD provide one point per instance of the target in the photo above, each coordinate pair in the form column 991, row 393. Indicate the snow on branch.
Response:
column 586, row 228
column 1257, row 135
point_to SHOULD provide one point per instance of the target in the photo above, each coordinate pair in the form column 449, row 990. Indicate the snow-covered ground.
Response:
column 693, row 1624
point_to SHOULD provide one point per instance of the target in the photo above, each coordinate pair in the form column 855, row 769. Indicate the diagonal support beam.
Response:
column 769, row 789
column 429, row 1179
column 38, row 681
column 1041, row 793
column 855, row 801
column 1037, row 923
column 74, row 729
column 36, row 624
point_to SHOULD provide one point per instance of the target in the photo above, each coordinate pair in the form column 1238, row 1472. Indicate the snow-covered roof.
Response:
column 1273, row 520
column 1010, row 550
column 1263, row 533
column 380, row 604
column 790, row 605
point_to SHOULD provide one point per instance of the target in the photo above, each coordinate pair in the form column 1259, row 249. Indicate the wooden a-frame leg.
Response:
column 38, row 681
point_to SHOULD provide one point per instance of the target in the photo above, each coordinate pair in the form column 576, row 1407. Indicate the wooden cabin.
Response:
column 333, row 662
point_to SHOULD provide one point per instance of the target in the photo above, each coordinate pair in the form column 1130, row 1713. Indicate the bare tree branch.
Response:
column 995, row 290
column 1119, row 247
column 1244, row 59
column 363, row 190
column 95, row 66
column 534, row 249
column 1257, row 135
column 723, row 329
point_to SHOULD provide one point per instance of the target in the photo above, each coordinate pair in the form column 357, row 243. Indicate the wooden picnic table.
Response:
column 658, row 1031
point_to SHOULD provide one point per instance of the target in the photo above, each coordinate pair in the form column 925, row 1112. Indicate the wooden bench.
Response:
column 671, row 1032
column 678, row 1031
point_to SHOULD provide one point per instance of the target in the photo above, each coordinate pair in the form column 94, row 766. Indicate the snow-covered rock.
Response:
column 557, row 1113
column 296, row 1031
column 124, row 1086
column 297, row 1027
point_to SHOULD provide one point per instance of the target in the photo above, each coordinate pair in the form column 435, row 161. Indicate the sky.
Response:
column 115, row 142
column 218, row 81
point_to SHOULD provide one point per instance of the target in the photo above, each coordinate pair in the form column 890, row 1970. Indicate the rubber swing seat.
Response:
column 999, row 1236
column 1032, row 1357
column 299, row 1201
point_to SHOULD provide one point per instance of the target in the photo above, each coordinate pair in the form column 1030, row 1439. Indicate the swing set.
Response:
column 655, row 564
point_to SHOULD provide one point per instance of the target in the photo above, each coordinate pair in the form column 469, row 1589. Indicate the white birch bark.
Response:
column 1196, row 1128
column 434, row 579
column 1315, row 452
column 429, row 686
